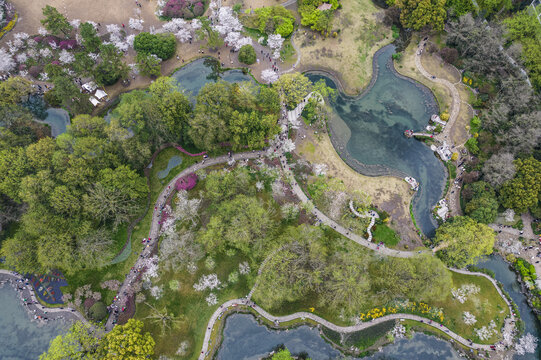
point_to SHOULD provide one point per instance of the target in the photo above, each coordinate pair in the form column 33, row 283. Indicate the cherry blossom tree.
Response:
column 75, row 23
column 236, row 40
column 207, row 282
column 180, row 28
column 196, row 24
column 21, row 58
column 275, row 42
column 42, row 31
column 113, row 29
column 526, row 344
column 244, row 268
column 136, row 24
column 469, row 318
column 66, row 57
column 227, row 21
column 269, row 76
column 7, row 63
column 212, row 299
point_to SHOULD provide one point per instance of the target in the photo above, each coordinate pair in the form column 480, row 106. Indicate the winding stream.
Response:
column 368, row 132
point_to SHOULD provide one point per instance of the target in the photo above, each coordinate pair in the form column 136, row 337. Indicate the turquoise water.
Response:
column 21, row 338
column 369, row 133
column 245, row 339
column 174, row 161
column 193, row 76
column 58, row 119
column 509, row 280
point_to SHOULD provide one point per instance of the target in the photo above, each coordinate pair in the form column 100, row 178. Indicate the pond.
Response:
column 174, row 161
column 245, row 339
column 193, row 76
column 58, row 119
column 21, row 338
column 509, row 280
column 368, row 131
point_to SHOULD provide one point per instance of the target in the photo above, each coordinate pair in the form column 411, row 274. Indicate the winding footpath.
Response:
column 371, row 214
column 138, row 268
column 322, row 218
column 455, row 105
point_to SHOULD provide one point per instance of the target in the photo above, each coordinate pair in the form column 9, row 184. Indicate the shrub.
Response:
column 186, row 183
column 247, row 55
column 183, row 9
column 275, row 20
column 98, row 311
column 449, row 55
column 161, row 45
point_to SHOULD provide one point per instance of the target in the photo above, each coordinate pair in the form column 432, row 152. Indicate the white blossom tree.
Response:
column 275, row 42
column 526, row 344
column 469, row 318
column 75, row 23
column 212, row 299
column 113, row 29
column 227, row 21
column 136, row 24
column 236, row 40
column 207, row 282
column 42, row 31
column 21, row 58
column 66, row 57
column 269, row 76
column 7, row 63
column 180, row 28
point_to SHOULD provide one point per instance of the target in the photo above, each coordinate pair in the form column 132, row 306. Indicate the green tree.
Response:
column 295, row 270
column 282, row 355
column 55, row 22
column 13, row 167
column 98, row 311
column 247, row 55
column 161, row 45
column 482, row 205
column 293, row 87
column 214, row 40
column 523, row 191
column 14, row 90
column 347, row 284
column 416, row 14
column 111, row 68
column 148, row 64
column 72, row 99
column 128, row 342
column 91, row 40
column 79, row 343
column 462, row 240
column 251, row 129
column 241, row 223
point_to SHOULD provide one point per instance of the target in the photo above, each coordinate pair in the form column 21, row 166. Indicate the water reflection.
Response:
column 21, row 338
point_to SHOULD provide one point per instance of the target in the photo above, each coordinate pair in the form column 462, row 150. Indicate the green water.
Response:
column 368, row 132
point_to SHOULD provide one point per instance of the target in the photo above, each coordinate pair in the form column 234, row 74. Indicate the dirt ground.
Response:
column 349, row 55
column 388, row 193
column 119, row 12
column 436, row 66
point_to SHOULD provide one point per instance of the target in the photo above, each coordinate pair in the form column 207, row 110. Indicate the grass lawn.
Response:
column 190, row 305
column 485, row 306
column 386, row 234
column 350, row 54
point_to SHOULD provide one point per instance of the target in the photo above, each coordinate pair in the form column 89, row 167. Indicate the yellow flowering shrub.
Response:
column 9, row 26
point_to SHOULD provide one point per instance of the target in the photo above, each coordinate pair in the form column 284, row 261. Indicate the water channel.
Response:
column 368, row 132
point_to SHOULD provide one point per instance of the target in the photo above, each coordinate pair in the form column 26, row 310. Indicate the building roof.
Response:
column 100, row 94
column 90, row 86
column 94, row 101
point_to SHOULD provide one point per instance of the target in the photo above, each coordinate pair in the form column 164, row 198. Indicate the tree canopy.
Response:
column 522, row 192
column 161, row 45
column 460, row 241
column 55, row 22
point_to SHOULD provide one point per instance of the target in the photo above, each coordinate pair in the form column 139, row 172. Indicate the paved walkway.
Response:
column 455, row 105
column 40, row 312
column 371, row 214
column 138, row 268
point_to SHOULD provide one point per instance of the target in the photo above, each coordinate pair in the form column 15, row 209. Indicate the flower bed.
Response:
column 9, row 25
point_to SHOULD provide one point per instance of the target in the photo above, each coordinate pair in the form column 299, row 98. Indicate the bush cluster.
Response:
column 161, row 45
column 187, row 9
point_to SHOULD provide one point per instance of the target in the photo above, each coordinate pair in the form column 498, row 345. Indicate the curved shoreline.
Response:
column 34, row 307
